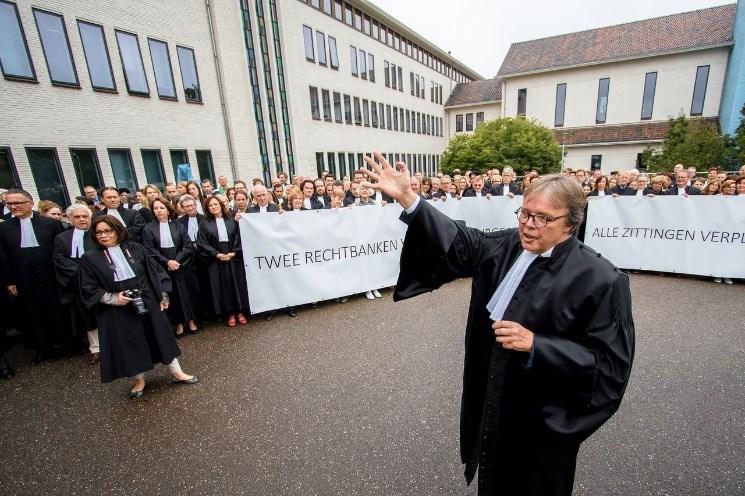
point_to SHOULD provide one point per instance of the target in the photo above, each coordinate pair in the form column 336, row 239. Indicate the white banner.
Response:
column 301, row 257
column 701, row 235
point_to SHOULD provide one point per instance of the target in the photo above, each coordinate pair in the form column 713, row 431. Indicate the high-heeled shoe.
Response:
column 136, row 395
column 242, row 320
column 231, row 321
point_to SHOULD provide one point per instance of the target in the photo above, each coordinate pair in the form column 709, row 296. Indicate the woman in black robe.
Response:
column 130, row 343
column 220, row 239
column 169, row 244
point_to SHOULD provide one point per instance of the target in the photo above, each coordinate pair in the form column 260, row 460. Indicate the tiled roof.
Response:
column 641, row 131
column 673, row 33
column 488, row 90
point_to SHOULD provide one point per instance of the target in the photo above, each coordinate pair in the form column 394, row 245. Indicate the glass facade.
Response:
column 281, row 83
column 97, row 56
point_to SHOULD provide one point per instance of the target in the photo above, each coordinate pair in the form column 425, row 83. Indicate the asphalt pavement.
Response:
column 363, row 398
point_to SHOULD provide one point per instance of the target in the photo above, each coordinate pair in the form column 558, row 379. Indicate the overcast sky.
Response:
column 479, row 32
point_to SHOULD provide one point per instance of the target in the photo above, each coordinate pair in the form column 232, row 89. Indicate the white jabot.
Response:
column 506, row 189
column 125, row 205
column 322, row 200
column 115, row 213
column 78, row 248
column 193, row 228
column 478, row 193
column 681, row 191
column 601, row 192
column 122, row 269
column 28, row 236
column 166, row 240
column 639, row 192
column 306, row 203
column 262, row 209
column 200, row 209
column 222, row 231
column 137, row 206
column 501, row 298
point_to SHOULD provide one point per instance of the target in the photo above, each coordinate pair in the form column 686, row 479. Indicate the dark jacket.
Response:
column 254, row 209
column 498, row 190
column 690, row 190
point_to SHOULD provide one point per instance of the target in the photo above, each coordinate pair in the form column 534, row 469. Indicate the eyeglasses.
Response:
column 104, row 232
column 539, row 220
column 15, row 204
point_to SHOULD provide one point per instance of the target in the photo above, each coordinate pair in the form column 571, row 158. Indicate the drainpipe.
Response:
column 220, row 88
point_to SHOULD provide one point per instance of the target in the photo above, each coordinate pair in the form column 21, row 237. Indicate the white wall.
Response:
column 491, row 111
column 614, row 157
column 676, row 75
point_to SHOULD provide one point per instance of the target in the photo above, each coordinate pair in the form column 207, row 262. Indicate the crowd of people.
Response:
column 123, row 274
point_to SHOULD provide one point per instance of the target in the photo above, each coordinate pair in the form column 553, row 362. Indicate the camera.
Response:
column 137, row 303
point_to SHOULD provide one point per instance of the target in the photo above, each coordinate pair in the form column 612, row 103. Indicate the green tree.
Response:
column 516, row 142
column 739, row 139
column 691, row 142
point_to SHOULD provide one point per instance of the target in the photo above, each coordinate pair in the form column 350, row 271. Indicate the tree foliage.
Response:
column 690, row 142
column 739, row 139
column 516, row 142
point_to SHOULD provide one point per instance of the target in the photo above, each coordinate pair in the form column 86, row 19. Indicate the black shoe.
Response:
column 136, row 395
column 292, row 313
column 193, row 380
column 6, row 373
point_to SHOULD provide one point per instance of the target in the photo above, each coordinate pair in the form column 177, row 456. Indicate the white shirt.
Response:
column 28, row 236
column 601, row 192
column 193, row 228
column 306, row 203
column 122, row 270
column 506, row 189
column 262, row 209
column 200, row 208
column 478, row 193
column 166, row 240
column 115, row 213
column 681, row 191
column 639, row 192
column 320, row 199
column 78, row 248
column 222, row 231
column 503, row 295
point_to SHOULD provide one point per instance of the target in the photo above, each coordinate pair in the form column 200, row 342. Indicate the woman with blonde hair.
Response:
column 711, row 188
column 48, row 208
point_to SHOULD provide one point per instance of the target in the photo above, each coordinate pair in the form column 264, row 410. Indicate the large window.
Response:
column 320, row 167
column 522, row 101
column 469, row 122
column 342, row 165
column 353, row 60
column 8, row 173
column 458, row 123
column 50, row 184
column 601, row 113
column 123, row 169
column 178, row 157
column 374, row 114
column 561, row 97
column 333, row 53
column 479, row 121
column 347, row 109
column 15, row 59
column 326, row 98
column 134, row 71
column 371, row 67
column 388, row 117
column 162, row 69
column 357, row 112
column 321, row 44
column 699, row 90
column 400, row 78
column 315, row 110
column 363, row 64
column 650, row 83
column 205, row 165
column 337, row 107
column 87, row 168
column 366, row 112
column 596, row 162
column 387, row 73
column 56, row 47
column 331, row 156
column 97, row 56
column 381, row 115
column 189, row 74
column 153, row 163
column 308, row 39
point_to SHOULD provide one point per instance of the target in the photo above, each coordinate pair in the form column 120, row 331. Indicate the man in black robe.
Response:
column 27, row 270
column 132, row 220
column 550, row 335
column 69, row 247
column 192, row 222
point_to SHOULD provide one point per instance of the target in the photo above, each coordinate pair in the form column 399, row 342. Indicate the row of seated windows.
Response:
column 343, row 164
column 469, row 121
column 16, row 62
column 364, row 23
column 601, row 111
column 363, row 112
column 50, row 182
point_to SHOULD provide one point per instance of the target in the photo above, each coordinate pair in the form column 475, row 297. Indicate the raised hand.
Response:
column 388, row 180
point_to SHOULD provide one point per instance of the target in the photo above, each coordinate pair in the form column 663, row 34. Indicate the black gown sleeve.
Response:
column 156, row 274
column 90, row 290
column 203, row 241
column 64, row 268
column 186, row 251
column 593, row 371
column 137, row 226
column 237, row 243
column 437, row 250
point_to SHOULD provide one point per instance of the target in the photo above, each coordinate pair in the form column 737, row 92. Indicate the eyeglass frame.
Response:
column 534, row 216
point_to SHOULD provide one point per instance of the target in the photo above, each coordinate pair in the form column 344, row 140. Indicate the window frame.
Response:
column 124, row 70
column 353, row 60
column 315, row 108
column 607, row 99
column 66, row 84
column 211, row 165
column 58, row 167
column 99, row 176
column 322, row 40
column 703, row 94
column 560, row 111
column 338, row 110
column 170, row 69
column 333, row 54
column 159, row 154
column 17, row 77
column 108, row 57
column 328, row 114
column 13, row 168
column 312, row 58
column 370, row 67
column 458, row 123
column 348, row 116
column 644, row 96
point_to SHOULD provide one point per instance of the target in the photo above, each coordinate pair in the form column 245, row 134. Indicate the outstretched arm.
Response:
column 392, row 181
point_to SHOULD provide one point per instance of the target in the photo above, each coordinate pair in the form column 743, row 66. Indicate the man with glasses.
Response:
column 27, row 273
column 549, row 338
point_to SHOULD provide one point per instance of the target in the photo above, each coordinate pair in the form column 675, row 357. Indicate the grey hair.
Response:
column 77, row 206
column 186, row 197
column 16, row 191
column 563, row 192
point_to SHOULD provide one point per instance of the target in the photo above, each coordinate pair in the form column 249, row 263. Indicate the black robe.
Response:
column 227, row 279
column 185, row 299
column 66, row 270
column 519, row 422
column 201, row 267
column 130, row 344
column 32, row 271
column 135, row 222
